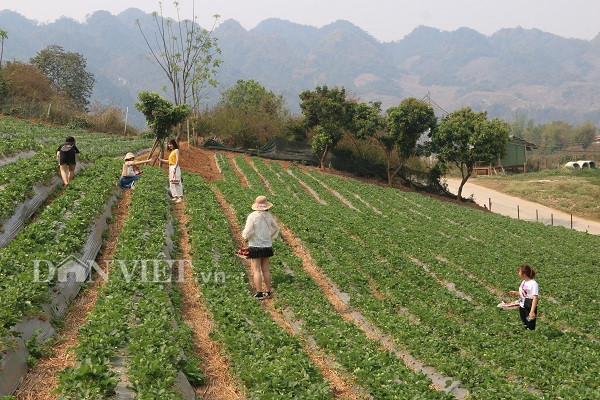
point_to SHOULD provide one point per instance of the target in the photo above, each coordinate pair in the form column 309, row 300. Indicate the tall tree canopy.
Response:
column 248, row 115
column 465, row 137
column 585, row 134
column 404, row 126
column 66, row 71
column 328, row 111
column 252, row 96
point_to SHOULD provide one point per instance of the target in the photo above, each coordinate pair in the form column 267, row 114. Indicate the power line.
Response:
column 433, row 103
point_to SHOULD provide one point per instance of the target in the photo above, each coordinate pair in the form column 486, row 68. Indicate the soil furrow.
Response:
column 41, row 380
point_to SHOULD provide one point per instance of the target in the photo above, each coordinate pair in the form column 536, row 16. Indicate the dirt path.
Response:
column 219, row 383
column 41, row 380
column 516, row 207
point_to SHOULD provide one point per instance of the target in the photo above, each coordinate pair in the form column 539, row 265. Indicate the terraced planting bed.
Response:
column 378, row 293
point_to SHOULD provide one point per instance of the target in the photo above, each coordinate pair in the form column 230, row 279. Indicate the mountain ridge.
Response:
column 543, row 75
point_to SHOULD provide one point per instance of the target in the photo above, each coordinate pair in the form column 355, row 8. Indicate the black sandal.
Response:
column 259, row 295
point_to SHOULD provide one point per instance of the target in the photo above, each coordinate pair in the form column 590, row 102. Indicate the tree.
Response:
column 161, row 116
column 3, row 36
column 465, row 137
column 585, row 134
column 328, row 111
column 248, row 114
column 251, row 95
column 66, row 71
column 366, row 121
column 404, row 126
column 186, row 53
column 25, row 82
column 556, row 135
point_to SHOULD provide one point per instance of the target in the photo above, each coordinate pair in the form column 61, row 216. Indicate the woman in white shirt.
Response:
column 260, row 230
column 130, row 171
column 528, row 296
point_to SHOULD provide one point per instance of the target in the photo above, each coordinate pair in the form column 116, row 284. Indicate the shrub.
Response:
column 109, row 119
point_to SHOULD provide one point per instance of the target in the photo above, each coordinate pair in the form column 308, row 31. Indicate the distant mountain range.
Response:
column 545, row 76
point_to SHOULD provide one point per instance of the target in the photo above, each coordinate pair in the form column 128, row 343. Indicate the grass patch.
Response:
column 572, row 191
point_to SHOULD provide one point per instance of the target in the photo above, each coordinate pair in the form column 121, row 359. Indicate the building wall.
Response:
column 515, row 155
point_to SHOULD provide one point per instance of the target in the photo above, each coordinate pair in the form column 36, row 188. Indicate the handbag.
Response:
column 242, row 252
column 175, row 179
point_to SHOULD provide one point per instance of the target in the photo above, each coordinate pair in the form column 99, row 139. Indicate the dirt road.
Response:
column 515, row 207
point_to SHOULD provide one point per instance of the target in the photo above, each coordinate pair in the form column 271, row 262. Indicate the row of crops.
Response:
column 19, row 179
column 426, row 274
column 437, row 270
column 61, row 228
column 376, row 372
column 134, row 316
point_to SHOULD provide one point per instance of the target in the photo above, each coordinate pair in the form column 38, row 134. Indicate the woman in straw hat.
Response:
column 130, row 172
column 260, row 230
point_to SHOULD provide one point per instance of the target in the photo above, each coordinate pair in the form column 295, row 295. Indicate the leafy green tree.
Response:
column 585, row 134
column 556, row 136
column 248, row 114
column 3, row 36
column 328, row 111
column 161, row 115
column 404, row 126
column 365, row 122
column 465, row 137
column 252, row 96
column 66, row 71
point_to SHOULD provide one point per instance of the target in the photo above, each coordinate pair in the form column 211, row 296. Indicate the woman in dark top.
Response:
column 66, row 155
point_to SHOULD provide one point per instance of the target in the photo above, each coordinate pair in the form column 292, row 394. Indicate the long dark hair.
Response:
column 527, row 271
column 173, row 143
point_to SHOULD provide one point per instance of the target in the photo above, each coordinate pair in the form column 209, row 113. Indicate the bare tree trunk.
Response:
column 323, row 157
column 179, row 133
column 465, row 177
column 161, row 154
column 188, row 133
column 154, row 146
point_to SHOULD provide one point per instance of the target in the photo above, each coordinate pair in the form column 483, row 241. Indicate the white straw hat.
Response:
column 261, row 204
column 129, row 155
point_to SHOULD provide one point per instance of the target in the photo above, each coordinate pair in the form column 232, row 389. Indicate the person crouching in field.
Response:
column 176, row 187
column 130, row 172
column 260, row 230
column 66, row 155
column 528, row 296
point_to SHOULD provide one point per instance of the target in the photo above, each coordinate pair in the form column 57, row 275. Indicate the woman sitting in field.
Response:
column 131, row 172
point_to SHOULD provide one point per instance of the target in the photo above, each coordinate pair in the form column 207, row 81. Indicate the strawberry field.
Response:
column 378, row 293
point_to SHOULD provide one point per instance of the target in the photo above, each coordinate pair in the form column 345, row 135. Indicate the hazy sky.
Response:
column 386, row 20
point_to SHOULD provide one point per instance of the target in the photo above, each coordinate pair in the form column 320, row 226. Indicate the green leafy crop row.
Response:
column 133, row 315
column 472, row 340
column 378, row 371
column 269, row 362
column 60, row 231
